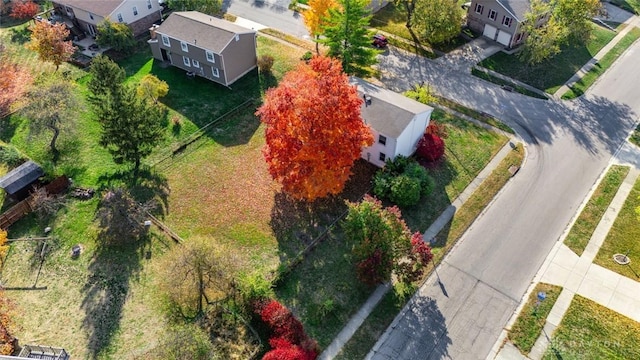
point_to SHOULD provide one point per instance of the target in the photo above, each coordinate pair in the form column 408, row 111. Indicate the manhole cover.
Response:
column 621, row 259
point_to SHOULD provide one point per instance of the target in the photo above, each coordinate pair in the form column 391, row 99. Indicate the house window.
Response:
column 210, row 57
column 382, row 140
column 195, row 63
column 382, row 157
column 120, row 18
column 506, row 21
column 215, row 71
column 186, row 61
column 165, row 41
column 135, row 11
column 148, row 4
column 492, row 14
column 479, row 9
column 91, row 16
column 184, row 46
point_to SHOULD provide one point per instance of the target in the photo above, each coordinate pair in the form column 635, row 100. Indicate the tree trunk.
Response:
column 317, row 45
column 52, row 144
column 200, row 291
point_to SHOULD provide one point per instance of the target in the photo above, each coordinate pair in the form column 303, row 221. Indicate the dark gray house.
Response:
column 17, row 182
column 500, row 20
column 206, row 46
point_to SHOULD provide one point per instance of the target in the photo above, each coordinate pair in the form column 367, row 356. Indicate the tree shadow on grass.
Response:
column 296, row 223
column 107, row 289
column 149, row 185
column 20, row 35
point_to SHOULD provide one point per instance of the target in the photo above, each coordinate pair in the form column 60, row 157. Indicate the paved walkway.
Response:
column 468, row 55
column 354, row 323
column 615, row 14
column 578, row 275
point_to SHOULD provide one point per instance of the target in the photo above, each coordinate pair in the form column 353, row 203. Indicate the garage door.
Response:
column 489, row 31
column 504, row 38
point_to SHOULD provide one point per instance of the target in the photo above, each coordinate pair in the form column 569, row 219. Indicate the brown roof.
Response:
column 205, row 31
column 102, row 8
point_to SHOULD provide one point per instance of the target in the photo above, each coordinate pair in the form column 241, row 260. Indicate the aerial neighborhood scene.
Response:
column 320, row 179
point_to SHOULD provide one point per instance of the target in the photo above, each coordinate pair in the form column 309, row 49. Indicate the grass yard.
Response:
column 373, row 327
column 588, row 220
column 552, row 73
column 591, row 331
column 104, row 304
column 517, row 88
column 622, row 237
column 601, row 66
column 528, row 326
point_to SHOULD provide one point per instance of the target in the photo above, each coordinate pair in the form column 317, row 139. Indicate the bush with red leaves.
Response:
column 288, row 340
column 24, row 10
column 430, row 147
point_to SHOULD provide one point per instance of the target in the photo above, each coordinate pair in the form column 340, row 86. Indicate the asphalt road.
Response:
column 460, row 313
column 483, row 279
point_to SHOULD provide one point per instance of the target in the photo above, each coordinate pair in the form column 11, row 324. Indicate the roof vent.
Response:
column 367, row 100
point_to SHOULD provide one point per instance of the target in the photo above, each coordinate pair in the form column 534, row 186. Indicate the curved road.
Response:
column 484, row 278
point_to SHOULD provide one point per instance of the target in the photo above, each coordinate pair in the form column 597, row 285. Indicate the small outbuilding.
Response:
column 397, row 122
column 17, row 182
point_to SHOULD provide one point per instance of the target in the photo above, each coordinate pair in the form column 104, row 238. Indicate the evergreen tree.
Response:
column 347, row 37
column 106, row 79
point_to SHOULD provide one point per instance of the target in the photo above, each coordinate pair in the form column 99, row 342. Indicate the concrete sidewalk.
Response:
column 356, row 321
column 615, row 13
column 578, row 275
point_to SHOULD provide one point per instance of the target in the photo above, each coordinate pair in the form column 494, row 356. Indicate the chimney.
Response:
column 152, row 30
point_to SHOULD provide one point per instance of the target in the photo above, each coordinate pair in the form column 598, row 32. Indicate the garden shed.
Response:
column 17, row 182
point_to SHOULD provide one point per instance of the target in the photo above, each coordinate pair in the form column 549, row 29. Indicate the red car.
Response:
column 379, row 41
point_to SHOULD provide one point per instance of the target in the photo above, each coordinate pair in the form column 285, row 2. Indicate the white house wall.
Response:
column 372, row 153
column 85, row 16
column 126, row 10
column 408, row 140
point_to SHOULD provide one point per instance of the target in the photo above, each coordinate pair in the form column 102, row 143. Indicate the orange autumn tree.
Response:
column 48, row 40
column 315, row 17
column 14, row 82
column 314, row 131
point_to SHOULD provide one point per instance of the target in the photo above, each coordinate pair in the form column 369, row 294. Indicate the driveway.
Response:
column 484, row 278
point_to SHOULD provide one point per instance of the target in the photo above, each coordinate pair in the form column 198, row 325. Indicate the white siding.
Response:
column 408, row 140
column 84, row 16
column 126, row 9
column 372, row 153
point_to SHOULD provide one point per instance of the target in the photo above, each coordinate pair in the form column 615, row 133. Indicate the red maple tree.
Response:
column 24, row 9
column 431, row 146
column 14, row 82
column 314, row 129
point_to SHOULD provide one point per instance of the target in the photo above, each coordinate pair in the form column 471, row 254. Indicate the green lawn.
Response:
column 623, row 237
column 528, row 326
column 588, row 220
column 601, row 66
column 373, row 327
column 553, row 73
column 592, row 331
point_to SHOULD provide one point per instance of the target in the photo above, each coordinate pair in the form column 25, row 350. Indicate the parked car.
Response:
column 379, row 41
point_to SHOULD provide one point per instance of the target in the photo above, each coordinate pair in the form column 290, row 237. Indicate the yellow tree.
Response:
column 4, row 247
column 152, row 88
column 315, row 17
column 48, row 40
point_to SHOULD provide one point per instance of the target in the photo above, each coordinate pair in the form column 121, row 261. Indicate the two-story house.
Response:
column 397, row 122
column 500, row 20
column 139, row 15
column 205, row 46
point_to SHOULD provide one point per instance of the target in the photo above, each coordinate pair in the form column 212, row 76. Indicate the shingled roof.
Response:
column 102, row 8
column 517, row 8
column 21, row 177
column 389, row 112
column 200, row 29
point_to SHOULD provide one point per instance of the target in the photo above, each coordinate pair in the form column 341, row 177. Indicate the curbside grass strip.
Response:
column 588, row 220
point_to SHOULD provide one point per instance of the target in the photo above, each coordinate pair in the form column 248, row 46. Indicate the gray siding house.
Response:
column 397, row 122
column 500, row 20
column 206, row 46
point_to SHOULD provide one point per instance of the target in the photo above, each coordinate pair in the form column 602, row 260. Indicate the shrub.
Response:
column 265, row 63
column 10, row 156
column 403, row 181
column 116, row 35
column 24, row 10
column 430, row 147
column 405, row 190
column 307, row 56
column 422, row 93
